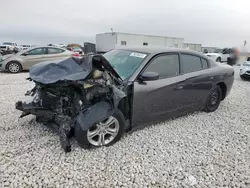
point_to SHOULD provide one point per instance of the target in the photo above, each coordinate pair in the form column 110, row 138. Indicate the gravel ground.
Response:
column 200, row 150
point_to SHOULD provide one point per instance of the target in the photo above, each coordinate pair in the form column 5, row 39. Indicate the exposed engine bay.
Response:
column 67, row 93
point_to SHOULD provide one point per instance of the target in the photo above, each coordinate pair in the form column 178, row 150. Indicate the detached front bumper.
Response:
column 29, row 106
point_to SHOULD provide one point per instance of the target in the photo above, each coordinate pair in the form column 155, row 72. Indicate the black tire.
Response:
column 242, row 77
column 213, row 99
column 218, row 59
column 245, row 78
column 15, row 64
column 81, row 136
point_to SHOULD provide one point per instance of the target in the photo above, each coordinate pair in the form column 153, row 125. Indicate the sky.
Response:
column 220, row 23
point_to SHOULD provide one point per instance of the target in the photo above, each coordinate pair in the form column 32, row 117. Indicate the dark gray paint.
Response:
column 170, row 97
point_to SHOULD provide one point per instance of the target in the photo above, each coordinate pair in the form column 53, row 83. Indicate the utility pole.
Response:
column 112, row 31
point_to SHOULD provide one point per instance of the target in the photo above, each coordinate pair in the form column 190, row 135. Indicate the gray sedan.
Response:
column 23, row 60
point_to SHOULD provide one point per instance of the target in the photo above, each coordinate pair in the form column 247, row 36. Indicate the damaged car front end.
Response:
column 81, row 97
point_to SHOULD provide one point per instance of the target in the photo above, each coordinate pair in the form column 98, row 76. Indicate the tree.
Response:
column 73, row 45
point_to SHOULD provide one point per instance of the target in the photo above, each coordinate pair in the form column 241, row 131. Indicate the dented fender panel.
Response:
column 94, row 114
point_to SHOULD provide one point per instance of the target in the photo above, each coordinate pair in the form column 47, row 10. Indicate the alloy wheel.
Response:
column 104, row 132
column 13, row 67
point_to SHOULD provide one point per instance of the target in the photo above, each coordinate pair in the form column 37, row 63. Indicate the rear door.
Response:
column 56, row 54
column 159, row 99
column 198, row 80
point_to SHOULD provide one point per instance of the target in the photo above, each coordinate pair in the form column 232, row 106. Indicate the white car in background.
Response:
column 61, row 45
column 220, row 55
column 245, row 70
column 6, row 45
column 24, row 47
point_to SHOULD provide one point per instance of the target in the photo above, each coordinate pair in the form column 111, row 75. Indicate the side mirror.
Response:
column 149, row 76
column 24, row 54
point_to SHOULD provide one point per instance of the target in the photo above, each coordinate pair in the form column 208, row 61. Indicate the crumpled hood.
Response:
column 69, row 69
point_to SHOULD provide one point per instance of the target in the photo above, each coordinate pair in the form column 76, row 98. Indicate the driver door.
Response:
column 34, row 56
column 159, row 99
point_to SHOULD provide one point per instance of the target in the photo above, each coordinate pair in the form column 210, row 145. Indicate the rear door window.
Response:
column 55, row 51
column 190, row 63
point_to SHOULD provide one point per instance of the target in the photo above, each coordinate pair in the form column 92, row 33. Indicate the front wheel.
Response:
column 213, row 100
column 104, row 133
column 14, row 67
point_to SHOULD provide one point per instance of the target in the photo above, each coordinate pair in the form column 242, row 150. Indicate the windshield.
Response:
column 218, row 51
column 7, row 43
column 125, row 62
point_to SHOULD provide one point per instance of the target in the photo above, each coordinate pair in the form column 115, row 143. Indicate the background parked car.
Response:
column 220, row 55
column 77, row 49
column 8, row 46
column 23, row 60
column 61, row 45
column 24, row 46
column 245, row 70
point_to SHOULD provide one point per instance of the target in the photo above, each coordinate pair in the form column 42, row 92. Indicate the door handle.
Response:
column 180, row 86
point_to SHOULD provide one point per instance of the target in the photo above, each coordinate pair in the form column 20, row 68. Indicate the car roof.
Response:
column 23, row 51
column 44, row 47
column 157, row 50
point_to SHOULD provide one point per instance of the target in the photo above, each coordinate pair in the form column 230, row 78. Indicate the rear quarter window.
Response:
column 55, row 51
column 204, row 63
column 190, row 63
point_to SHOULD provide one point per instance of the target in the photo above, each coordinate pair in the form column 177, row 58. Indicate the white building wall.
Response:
column 138, row 40
column 209, row 49
column 192, row 46
column 105, row 42
column 108, row 41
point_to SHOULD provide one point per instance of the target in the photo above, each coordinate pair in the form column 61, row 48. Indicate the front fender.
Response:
column 12, row 59
column 94, row 114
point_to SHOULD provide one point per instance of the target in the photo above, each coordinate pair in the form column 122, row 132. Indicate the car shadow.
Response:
column 5, row 72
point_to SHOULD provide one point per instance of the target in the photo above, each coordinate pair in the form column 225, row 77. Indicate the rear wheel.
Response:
column 14, row 67
column 104, row 133
column 213, row 100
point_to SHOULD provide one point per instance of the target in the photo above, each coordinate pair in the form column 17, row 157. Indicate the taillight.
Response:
column 76, row 54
